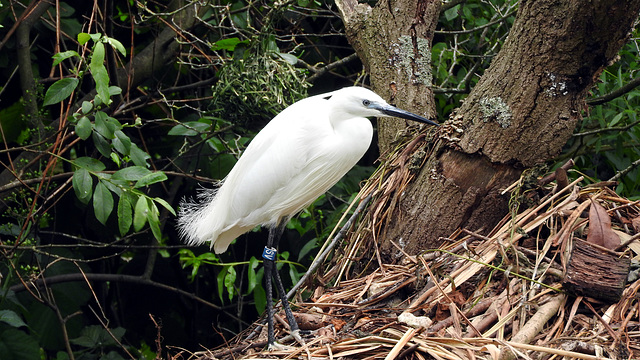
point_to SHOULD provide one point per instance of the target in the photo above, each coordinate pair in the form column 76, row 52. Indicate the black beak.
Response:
column 394, row 111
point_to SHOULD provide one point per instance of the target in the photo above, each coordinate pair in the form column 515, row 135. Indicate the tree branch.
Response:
column 319, row 71
column 109, row 277
column 23, row 50
column 615, row 93
column 617, row 129
column 468, row 31
column 625, row 171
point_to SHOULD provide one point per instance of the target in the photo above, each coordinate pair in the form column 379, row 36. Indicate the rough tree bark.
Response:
column 393, row 40
column 521, row 113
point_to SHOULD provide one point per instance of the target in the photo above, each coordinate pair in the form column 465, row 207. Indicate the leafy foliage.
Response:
column 606, row 145
column 469, row 34
column 114, row 162
column 259, row 81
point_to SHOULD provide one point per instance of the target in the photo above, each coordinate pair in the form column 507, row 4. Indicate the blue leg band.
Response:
column 269, row 253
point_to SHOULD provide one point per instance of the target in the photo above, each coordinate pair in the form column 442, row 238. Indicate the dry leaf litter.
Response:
column 494, row 296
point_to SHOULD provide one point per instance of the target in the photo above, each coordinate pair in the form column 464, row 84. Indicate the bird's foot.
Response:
column 276, row 346
column 294, row 335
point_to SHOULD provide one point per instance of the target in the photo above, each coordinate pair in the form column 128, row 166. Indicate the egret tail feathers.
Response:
column 197, row 222
column 201, row 221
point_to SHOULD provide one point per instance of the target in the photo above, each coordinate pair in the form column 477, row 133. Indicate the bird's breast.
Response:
column 353, row 137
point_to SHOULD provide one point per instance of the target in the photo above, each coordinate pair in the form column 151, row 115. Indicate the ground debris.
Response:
column 495, row 296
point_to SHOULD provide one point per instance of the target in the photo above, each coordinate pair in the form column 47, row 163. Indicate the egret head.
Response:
column 362, row 102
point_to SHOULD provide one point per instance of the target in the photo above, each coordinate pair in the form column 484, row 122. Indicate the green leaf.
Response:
column 95, row 336
column 84, row 128
column 86, row 107
column 152, row 178
column 104, row 127
column 113, row 123
column 186, row 257
column 228, row 44
column 452, row 13
column 260, row 298
column 307, row 248
column 209, row 258
column 101, row 144
column 140, row 213
column 102, row 203
column 131, row 173
column 15, row 127
column 11, row 318
column 17, row 345
column 116, row 45
column 229, row 282
column 252, row 278
column 216, row 144
column 61, row 56
column 99, row 73
column 165, row 204
column 239, row 18
column 96, row 37
column 115, row 186
column 125, row 215
column 97, row 57
column 190, row 128
column 138, row 156
column 154, row 222
column 122, row 143
column 83, row 38
column 220, row 280
column 101, row 77
column 89, row 163
column 294, row 274
column 60, row 90
column 164, row 253
column 116, row 159
column 82, row 185
column 114, row 90
column 616, row 119
column 291, row 59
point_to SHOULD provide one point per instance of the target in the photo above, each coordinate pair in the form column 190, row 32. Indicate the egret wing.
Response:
column 267, row 174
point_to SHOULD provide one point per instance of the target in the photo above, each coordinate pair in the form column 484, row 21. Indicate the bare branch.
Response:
column 615, row 93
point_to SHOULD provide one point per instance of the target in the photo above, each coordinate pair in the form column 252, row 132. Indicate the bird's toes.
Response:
column 297, row 337
column 276, row 346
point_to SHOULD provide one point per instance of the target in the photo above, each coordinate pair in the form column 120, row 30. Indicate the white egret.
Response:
column 293, row 160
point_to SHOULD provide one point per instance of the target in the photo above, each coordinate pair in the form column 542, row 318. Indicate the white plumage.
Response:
column 293, row 160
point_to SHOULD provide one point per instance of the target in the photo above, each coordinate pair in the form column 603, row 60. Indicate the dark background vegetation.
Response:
column 232, row 67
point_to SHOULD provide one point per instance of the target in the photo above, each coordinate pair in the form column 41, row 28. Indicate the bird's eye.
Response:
column 366, row 102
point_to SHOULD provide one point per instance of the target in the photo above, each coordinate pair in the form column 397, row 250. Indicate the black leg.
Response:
column 270, row 270
column 293, row 324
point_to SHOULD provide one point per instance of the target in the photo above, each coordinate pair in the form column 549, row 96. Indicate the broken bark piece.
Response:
column 561, row 178
column 594, row 272
column 309, row 321
column 549, row 178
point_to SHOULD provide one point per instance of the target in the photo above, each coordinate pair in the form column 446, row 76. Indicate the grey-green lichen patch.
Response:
column 495, row 109
column 410, row 61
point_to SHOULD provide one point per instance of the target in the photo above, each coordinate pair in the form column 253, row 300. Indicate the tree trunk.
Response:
column 393, row 40
column 522, row 111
